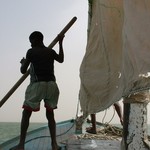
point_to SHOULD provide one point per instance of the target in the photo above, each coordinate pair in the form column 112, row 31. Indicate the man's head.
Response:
column 36, row 38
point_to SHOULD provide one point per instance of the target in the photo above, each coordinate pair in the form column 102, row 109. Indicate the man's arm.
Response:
column 24, row 65
column 60, row 57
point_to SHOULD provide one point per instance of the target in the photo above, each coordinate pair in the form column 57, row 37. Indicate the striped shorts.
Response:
column 38, row 91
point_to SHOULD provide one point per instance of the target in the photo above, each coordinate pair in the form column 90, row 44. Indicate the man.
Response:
column 93, row 118
column 42, row 85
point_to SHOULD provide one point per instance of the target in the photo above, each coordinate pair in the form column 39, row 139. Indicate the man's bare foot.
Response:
column 91, row 130
column 55, row 147
column 18, row 147
column 58, row 148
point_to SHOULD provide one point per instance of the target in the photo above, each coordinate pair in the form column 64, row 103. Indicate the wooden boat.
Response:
column 39, row 139
column 69, row 140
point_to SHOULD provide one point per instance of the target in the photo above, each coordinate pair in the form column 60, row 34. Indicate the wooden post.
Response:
column 19, row 82
column 135, row 122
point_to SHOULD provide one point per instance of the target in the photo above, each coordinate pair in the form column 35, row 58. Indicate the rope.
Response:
column 139, row 97
column 109, row 132
column 77, row 109
column 112, row 116
column 105, row 116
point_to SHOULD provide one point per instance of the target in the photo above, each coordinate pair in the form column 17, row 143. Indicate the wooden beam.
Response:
column 135, row 134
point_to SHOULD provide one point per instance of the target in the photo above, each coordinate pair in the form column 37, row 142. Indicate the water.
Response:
column 9, row 130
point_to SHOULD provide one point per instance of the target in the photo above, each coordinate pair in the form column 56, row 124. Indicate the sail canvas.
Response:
column 116, row 63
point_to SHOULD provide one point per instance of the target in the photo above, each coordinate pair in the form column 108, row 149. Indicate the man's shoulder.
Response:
column 41, row 49
column 50, row 49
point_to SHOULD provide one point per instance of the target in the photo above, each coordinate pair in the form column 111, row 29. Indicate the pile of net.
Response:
column 108, row 132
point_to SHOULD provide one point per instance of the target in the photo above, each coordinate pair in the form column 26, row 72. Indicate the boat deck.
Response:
column 40, row 140
column 93, row 145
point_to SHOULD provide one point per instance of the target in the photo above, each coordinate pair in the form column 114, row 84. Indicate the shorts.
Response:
column 38, row 91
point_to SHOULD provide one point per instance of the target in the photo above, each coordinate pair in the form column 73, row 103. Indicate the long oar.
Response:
column 18, row 83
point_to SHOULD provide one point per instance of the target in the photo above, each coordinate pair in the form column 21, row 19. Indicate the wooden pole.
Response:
column 19, row 82
column 135, row 134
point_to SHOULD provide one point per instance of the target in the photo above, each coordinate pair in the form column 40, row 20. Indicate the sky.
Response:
column 18, row 20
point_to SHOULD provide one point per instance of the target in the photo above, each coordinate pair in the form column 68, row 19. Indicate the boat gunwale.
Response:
column 15, row 139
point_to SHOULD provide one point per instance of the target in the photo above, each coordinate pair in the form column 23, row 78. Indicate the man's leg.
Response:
column 52, row 128
column 24, row 126
column 119, row 111
column 93, row 122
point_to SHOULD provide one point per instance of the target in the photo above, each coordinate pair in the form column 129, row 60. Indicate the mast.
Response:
column 135, row 122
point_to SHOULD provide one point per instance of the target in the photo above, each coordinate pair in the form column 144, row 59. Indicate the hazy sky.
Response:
column 18, row 20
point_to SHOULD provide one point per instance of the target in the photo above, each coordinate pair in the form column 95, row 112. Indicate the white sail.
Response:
column 117, row 58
